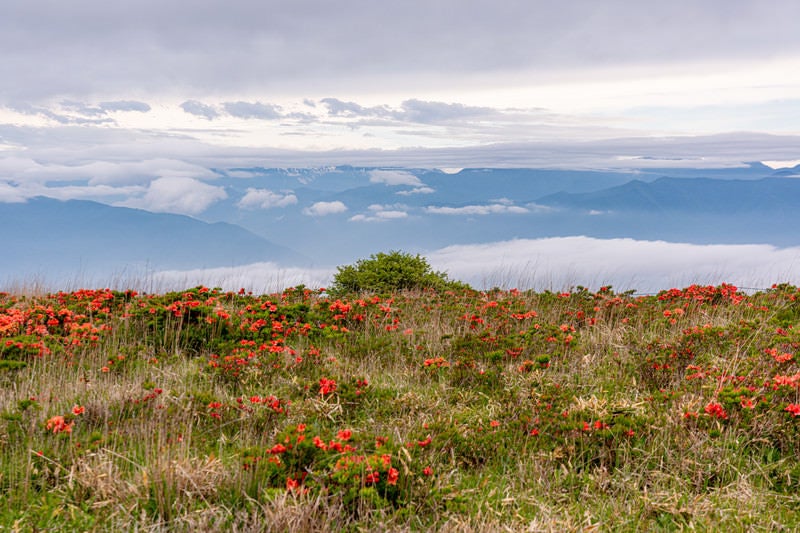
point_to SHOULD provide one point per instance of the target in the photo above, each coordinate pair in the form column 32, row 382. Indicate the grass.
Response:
column 498, row 410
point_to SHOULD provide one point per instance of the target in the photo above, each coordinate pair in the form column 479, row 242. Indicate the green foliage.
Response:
column 390, row 272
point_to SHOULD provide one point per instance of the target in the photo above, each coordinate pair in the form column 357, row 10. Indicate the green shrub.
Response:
column 391, row 272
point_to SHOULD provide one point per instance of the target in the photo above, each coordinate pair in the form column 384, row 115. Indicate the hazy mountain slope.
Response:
column 699, row 195
column 44, row 234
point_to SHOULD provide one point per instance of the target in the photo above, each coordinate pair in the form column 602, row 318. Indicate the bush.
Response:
column 391, row 272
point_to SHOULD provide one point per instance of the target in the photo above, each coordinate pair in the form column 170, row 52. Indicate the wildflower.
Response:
column 427, row 471
column 716, row 410
column 78, row 410
column 392, row 476
column 793, row 408
column 344, row 434
column 326, row 386
column 425, row 442
column 494, row 423
column 58, row 425
column 277, row 449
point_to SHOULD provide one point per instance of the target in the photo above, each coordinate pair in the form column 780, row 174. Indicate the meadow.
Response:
column 451, row 410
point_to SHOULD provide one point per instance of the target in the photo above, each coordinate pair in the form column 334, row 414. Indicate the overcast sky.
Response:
column 430, row 83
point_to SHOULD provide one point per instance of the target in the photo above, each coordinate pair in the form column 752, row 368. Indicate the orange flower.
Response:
column 58, row 425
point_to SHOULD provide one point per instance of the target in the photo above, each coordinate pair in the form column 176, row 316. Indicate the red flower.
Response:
column 78, row 410
column 716, row 410
column 392, row 476
column 793, row 408
column 427, row 471
column 326, row 386
column 278, row 448
column 344, row 434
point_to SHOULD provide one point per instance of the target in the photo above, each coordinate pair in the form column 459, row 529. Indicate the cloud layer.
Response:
column 552, row 264
column 95, row 46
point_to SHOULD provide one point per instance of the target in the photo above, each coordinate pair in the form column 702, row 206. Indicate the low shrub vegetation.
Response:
column 426, row 406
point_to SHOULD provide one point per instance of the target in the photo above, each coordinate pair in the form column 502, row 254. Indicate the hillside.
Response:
column 470, row 411
column 92, row 239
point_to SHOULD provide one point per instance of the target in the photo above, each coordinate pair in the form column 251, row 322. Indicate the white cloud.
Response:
column 266, row 199
column 416, row 190
column 24, row 169
column 185, row 196
column 382, row 213
column 547, row 264
column 319, row 209
column 261, row 278
column 10, row 194
column 491, row 209
column 646, row 266
column 394, row 177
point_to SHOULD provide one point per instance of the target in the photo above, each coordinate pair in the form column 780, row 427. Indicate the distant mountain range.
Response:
column 334, row 215
column 89, row 239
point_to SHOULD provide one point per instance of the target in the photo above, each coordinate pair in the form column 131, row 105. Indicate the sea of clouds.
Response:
column 544, row 264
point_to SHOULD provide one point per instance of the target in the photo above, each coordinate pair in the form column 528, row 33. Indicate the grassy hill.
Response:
column 412, row 411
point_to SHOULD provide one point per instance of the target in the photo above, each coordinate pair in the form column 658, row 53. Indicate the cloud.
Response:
column 394, row 177
column 125, row 105
column 490, row 209
column 381, row 213
column 261, row 278
column 547, row 264
column 193, row 107
column 185, row 196
column 341, row 108
column 266, row 199
column 255, row 110
column 645, row 266
column 10, row 194
column 98, row 47
column 416, row 190
column 25, row 108
column 25, row 170
column 320, row 209
column 433, row 112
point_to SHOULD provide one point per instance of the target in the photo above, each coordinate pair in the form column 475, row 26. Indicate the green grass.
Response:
column 452, row 411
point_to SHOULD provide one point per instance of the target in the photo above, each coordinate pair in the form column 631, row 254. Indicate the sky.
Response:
column 140, row 100
column 428, row 83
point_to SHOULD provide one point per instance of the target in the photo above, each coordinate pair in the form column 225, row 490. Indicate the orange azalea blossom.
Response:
column 58, row 425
